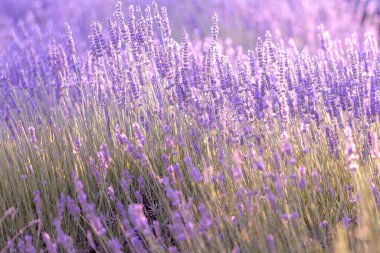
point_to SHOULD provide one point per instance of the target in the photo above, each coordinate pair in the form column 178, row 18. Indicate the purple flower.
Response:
column 206, row 219
column 89, row 210
column 61, row 204
column 95, row 172
column 196, row 175
column 139, row 135
column 29, row 244
column 272, row 200
column 50, row 245
column 123, row 141
column 270, row 243
column 279, row 187
column 138, row 219
column 214, row 29
column 323, row 224
column 115, row 245
column 30, row 169
column 165, row 23
column 346, row 220
column 173, row 249
column 32, row 135
column 177, row 227
column 138, row 245
column 124, row 186
column 375, row 193
column 62, row 238
column 111, row 193
column 169, row 142
column 234, row 220
column 104, row 157
column 376, row 171
column 220, row 178
column 172, row 195
column 178, row 173
column 286, row 146
column 73, row 208
column 11, row 246
column 302, row 182
column 294, row 215
column 237, row 174
column 77, row 146
column 37, row 202
column 260, row 164
column 138, row 196
column 70, row 39
column 330, row 191
column 141, row 182
column 98, row 40
column 21, row 245
column 127, row 176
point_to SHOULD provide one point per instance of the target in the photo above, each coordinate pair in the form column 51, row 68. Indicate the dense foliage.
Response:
column 143, row 143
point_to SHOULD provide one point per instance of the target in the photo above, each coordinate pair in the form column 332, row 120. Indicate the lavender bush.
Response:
column 242, row 20
column 131, row 140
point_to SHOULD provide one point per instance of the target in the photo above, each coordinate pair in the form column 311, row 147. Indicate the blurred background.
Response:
column 241, row 21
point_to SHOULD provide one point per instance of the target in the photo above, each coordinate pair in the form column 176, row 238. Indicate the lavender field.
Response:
column 189, row 126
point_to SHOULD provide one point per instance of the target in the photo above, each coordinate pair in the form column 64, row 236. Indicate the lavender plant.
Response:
column 141, row 142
